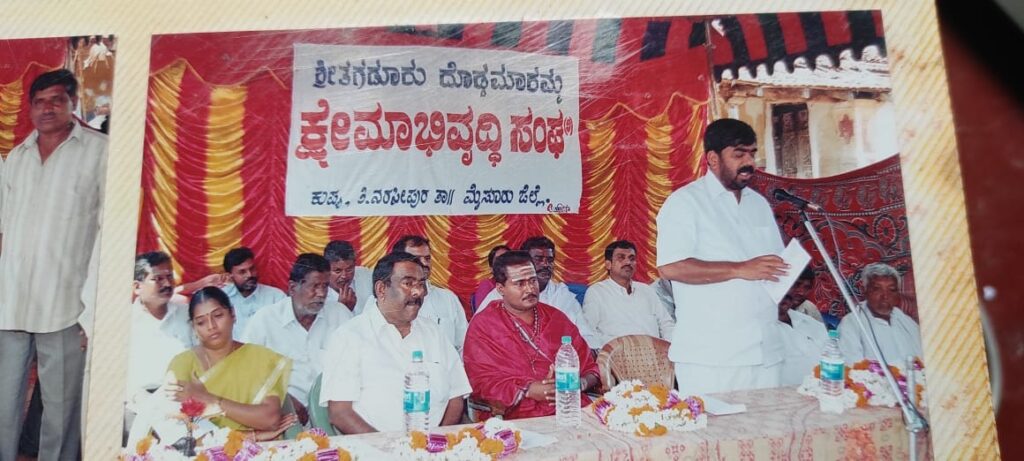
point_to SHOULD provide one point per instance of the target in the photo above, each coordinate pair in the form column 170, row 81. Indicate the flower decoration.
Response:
column 648, row 411
column 487, row 442
column 312, row 445
column 865, row 384
column 192, row 408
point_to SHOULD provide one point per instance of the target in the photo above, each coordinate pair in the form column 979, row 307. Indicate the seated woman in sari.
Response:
column 248, row 382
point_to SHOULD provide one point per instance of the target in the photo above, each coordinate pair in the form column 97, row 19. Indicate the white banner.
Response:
column 414, row 130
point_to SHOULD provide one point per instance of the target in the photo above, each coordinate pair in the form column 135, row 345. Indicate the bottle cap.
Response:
column 417, row 356
column 833, row 334
column 566, row 339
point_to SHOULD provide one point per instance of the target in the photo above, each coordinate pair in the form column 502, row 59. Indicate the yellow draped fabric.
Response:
column 671, row 142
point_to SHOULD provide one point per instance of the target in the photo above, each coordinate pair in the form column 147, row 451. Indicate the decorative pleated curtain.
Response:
column 217, row 132
column 21, row 61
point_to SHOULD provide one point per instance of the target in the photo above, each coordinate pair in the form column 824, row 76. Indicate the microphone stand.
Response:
column 915, row 422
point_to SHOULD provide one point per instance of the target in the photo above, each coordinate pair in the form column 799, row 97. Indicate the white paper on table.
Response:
column 720, row 407
column 532, row 439
column 797, row 257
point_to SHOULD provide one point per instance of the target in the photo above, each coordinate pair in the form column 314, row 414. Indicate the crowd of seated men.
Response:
column 256, row 352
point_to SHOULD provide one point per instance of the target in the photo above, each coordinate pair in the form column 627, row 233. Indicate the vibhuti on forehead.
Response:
column 524, row 272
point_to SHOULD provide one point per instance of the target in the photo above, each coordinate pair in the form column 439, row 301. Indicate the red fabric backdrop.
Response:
column 644, row 95
column 869, row 223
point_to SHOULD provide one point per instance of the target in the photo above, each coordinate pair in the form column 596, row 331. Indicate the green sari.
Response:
column 248, row 375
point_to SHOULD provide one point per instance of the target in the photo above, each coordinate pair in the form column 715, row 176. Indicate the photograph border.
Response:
column 959, row 397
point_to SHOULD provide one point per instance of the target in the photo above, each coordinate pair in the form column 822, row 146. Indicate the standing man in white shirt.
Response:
column 369, row 356
column 49, row 220
column 351, row 285
column 897, row 334
column 160, row 328
column 440, row 305
column 618, row 306
column 300, row 326
column 247, row 295
column 555, row 294
column 717, row 240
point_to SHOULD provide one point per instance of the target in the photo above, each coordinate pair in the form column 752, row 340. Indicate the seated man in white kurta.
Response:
column 555, row 294
column 803, row 340
column 351, row 285
column 897, row 334
column 619, row 306
column 440, row 305
column 300, row 326
column 367, row 358
column 160, row 329
column 247, row 295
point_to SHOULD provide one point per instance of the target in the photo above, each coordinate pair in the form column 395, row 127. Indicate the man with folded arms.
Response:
column 367, row 358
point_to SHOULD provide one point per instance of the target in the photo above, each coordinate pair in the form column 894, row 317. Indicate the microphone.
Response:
column 800, row 203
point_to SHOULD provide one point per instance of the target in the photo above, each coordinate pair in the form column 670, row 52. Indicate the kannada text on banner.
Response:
column 386, row 131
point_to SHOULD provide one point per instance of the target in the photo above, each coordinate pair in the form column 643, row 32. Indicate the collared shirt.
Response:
column 154, row 342
column 246, row 306
column 898, row 338
column 366, row 363
column 557, row 295
column 803, row 343
column 808, row 308
column 613, row 312
column 443, row 308
column 49, row 219
column 730, row 323
column 276, row 328
column 362, row 283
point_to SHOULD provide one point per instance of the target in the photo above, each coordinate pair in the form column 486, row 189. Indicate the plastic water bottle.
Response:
column 567, row 385
column 832, row 374
column 416, row 404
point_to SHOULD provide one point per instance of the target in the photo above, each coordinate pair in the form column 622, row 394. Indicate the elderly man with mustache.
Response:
column 619, row 306
column 367, row 358
column 300, row 326
column 717, row 241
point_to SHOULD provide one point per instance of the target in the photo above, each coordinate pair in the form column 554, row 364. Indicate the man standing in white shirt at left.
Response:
column 300, row 326
column 369, row 356
column 49, row 219
column 618, row 306
column 440, row 305
column 247, row 295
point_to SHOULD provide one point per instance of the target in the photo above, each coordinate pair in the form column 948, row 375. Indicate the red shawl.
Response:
column 500, row 363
